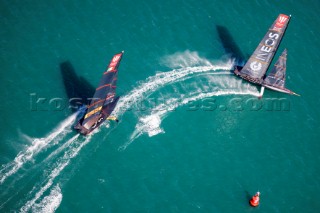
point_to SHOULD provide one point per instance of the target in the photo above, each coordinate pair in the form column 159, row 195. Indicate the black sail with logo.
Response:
column 105, row 92
column 257, row 65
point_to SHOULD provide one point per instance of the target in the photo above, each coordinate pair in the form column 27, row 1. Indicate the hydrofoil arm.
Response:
column 261, row 92
column 113, row 118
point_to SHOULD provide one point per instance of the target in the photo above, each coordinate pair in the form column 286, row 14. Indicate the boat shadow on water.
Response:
column 229, row 45
column 78, row 89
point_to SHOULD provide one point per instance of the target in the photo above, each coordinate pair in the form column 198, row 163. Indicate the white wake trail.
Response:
column 150, row 124
column 37, row 145
column 185, row 59
column 50, row 203
column 61, row 164
column 224, row 85
column 160, row 80
column 62, row 147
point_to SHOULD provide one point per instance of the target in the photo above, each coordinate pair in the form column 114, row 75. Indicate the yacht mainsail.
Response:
column 257, row 65
column 104, row 96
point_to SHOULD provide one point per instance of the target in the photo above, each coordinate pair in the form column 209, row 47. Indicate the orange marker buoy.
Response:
column 255, row 200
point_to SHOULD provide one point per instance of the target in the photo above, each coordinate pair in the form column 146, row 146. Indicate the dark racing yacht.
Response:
column 256, row 67
column 103, row 101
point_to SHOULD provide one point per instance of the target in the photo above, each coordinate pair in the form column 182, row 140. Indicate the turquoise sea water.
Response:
column 191, row 138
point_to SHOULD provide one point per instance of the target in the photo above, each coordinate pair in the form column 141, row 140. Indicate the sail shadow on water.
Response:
column 229, row 44
column 78, row 89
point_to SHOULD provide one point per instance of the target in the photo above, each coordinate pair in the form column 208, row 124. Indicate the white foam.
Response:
column 72, row 152
column 185, row 59
column 37, row 145
column 48, row 184
column 49, row 203
column 151, row 124
column 63, row 147
column 162, row 79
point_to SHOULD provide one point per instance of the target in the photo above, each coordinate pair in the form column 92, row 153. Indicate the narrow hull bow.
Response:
column 283, row 90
